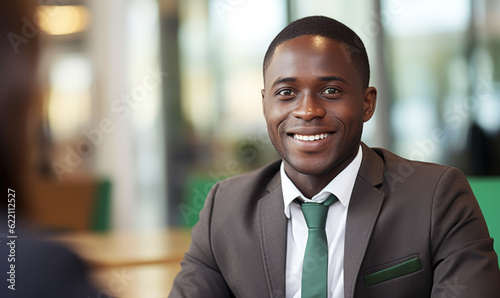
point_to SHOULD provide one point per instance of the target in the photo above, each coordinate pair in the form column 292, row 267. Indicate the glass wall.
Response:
column 162, row 98
column 443, row 72
column 101, row 117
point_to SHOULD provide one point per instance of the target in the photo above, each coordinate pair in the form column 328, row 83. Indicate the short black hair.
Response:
column 330, row 28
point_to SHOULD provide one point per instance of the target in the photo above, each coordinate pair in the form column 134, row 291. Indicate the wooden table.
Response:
column 132, row 264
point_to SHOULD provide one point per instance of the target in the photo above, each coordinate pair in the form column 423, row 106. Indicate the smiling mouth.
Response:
column 311, row 138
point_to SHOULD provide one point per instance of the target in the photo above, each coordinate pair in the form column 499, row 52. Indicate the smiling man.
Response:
column 315, row 103
column 335, row 218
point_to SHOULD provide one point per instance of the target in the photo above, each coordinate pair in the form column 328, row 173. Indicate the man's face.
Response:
column 315, row 105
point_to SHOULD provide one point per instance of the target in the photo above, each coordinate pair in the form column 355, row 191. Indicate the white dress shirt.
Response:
column 341, row 186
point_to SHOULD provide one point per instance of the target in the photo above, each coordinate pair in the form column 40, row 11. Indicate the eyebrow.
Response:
column 323, row 79
column 284, row 80
column 333, row 78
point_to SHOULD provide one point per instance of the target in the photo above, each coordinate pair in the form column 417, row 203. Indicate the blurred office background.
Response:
column 147, row 103
column 160, row 99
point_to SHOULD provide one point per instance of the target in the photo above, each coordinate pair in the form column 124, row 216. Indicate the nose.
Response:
column 309, row 108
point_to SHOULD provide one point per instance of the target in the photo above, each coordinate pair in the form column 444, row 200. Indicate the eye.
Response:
column 286, row 92
column 330, row 91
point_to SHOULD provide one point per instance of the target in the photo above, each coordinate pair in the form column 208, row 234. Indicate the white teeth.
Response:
column 311, row 138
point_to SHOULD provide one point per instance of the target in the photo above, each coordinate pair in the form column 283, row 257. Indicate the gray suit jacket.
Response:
column 413, row 230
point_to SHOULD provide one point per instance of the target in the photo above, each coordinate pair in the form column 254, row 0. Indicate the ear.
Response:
column 369, row 103
column 263, row 92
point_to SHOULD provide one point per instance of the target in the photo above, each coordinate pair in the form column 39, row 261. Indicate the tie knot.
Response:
column 315, row 213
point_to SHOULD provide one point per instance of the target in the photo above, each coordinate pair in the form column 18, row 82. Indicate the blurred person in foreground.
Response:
column 394, row 227
column 30, row 268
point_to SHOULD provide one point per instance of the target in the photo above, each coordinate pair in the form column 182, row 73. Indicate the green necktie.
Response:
column 315, row 266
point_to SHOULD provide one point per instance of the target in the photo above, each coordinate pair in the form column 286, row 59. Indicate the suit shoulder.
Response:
column 415, row 174
column 394, row 162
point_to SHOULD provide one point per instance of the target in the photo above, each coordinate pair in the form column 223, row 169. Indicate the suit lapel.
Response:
column 273, row 234
column 364, row 208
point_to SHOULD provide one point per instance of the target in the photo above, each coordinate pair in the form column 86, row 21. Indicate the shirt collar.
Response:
column 341, row 186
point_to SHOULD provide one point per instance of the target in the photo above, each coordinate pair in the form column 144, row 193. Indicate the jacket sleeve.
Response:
column 464, row 262
column 200, row 275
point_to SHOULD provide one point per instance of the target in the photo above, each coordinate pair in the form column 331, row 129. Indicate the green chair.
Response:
column 196, row 190
column 100, row 221
column 487, row 191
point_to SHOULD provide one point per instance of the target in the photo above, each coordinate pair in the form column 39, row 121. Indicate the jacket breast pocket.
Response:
column 392, row 270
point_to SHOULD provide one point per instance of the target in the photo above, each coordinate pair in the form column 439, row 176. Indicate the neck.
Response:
column 311, row 184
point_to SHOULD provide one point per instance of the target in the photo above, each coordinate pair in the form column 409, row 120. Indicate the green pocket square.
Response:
column 404, row 268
